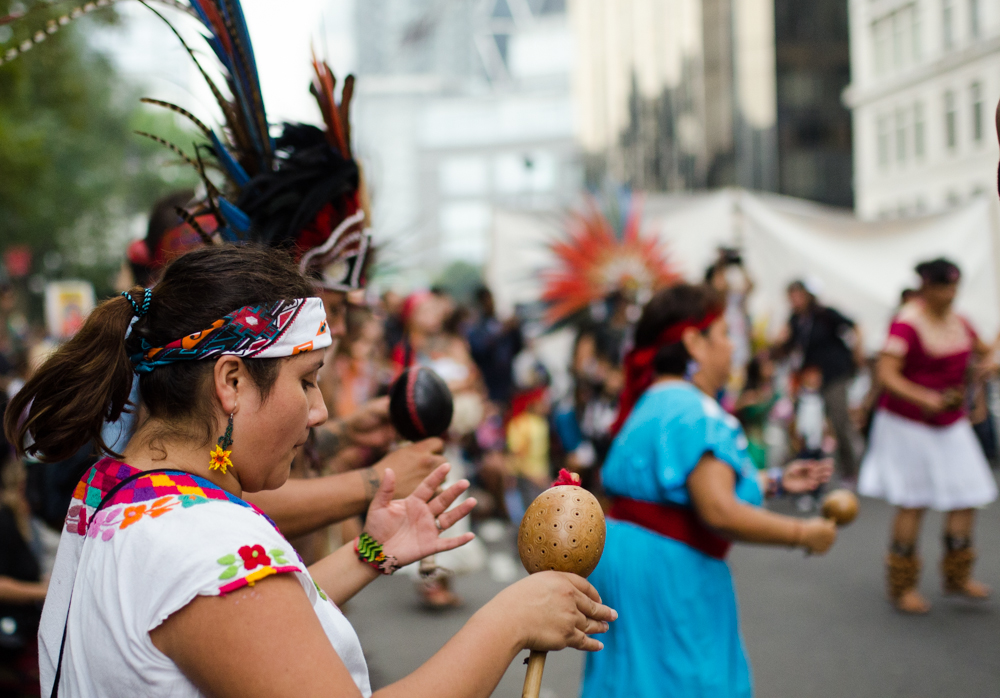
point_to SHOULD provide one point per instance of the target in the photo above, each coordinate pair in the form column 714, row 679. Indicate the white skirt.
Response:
column 914, row 465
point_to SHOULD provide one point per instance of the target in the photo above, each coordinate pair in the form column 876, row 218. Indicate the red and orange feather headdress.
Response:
column 596, row 260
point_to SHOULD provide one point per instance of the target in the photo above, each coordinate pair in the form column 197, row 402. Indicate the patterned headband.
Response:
column 281, row 329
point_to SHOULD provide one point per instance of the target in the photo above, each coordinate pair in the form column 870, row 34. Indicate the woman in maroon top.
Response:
column 923, row 452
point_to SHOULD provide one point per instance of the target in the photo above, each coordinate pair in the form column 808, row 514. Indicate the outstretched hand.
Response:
column 806, row 475
column 409, row 529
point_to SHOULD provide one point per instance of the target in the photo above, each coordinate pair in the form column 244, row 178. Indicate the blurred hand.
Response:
column 369, row 426
column 932, row 402
column 554, row 610
column 806, row 475
column 410, row 529
column 818, row 534
column 412, row 464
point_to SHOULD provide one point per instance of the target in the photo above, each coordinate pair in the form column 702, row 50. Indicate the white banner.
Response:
column 862, row 266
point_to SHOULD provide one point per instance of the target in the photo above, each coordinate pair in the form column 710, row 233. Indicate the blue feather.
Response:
column 246, row 77
column 234, row 216
column 228, row 162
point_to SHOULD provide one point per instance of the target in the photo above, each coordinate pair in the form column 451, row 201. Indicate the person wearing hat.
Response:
column 922, row 451
column 817, row 335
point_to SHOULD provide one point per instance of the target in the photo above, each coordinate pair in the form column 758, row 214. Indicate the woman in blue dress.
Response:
column 683, row 487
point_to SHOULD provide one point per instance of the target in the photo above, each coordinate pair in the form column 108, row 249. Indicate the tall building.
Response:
column 689, row 94
column 925, row 80
column 461, row 107
column 812, row 65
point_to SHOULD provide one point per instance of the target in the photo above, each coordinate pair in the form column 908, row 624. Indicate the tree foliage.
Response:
column 73, row 175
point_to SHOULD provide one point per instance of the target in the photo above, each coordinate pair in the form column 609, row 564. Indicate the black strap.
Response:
column 104, row 501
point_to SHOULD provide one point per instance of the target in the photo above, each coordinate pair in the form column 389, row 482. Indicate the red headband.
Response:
column 410, row 305
column 639, row 373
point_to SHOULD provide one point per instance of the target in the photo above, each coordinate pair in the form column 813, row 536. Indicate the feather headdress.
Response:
column 299, row 189
column 597, row 260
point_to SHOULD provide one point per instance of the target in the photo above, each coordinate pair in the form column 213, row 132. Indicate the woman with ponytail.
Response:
column 167, row 582
column 683, row 488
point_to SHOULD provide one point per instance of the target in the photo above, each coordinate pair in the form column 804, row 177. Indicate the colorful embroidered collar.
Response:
column 108, row 472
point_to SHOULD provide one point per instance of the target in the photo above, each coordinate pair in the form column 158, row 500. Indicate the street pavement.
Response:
column 816, row 627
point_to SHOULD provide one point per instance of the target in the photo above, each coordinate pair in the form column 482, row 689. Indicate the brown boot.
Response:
column 903, row 570
column 956, row 570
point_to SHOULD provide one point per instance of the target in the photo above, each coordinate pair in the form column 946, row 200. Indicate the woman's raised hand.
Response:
column 806, row 475
column 410, row 529
column 554, row 610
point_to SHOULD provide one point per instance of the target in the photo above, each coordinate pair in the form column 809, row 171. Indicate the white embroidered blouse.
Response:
column 162, row 540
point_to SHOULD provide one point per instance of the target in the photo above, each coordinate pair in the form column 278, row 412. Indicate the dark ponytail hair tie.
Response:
column 140, row 310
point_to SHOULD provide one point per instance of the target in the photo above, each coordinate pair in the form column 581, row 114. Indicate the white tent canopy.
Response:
column 861, row 266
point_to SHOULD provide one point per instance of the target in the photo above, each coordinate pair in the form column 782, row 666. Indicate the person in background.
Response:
column 528, row 441
column 392, row 306
column 922, row 451
column 817, row 335
column 426, row 343
column 809, row 426
column 355, row 366
column 683, row 488
column 22, row 589
column 494, row 344
column 730, row 279
column 809, row 431
column 754, row 405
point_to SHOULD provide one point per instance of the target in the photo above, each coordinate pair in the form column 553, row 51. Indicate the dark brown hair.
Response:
column 88, row 380
column 671, row 306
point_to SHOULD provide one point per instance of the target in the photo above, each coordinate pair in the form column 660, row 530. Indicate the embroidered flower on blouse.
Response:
column 133, row 514
column 158, row 508
column 254, row 556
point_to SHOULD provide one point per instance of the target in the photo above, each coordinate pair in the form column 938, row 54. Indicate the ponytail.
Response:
column 86, row 383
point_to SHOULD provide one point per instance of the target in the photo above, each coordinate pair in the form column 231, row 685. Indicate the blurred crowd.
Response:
column 808, row 393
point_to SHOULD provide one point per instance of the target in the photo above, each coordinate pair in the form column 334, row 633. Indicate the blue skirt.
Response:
column 677, row 635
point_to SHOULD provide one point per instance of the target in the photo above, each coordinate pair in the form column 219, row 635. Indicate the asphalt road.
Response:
column 816, row 627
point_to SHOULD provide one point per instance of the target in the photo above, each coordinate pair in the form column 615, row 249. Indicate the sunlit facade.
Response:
column 926, row 78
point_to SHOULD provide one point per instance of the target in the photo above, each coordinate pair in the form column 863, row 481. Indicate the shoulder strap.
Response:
column 104, row 502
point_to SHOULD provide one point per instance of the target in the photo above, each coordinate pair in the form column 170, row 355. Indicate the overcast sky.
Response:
column 281, row 32
column 149, row 54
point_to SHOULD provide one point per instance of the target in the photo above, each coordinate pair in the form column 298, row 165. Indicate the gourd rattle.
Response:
column 840, row 506
column 562, row 530
column 421, row 406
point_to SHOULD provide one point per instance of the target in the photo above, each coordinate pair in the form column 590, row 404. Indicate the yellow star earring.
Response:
column 219, row 458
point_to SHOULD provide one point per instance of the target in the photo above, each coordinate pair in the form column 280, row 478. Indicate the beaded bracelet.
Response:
column 370, row 551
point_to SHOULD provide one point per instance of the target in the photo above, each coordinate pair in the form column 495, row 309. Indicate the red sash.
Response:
column 679, row 523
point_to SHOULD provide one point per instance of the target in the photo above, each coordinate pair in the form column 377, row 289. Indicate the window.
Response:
column 977, row 112
column 896, row 40
column 899, row 38
column 948, row 24
column 918, row 130
column 883, row 142
column 900, row 136
column 880, row 33
column 975, row 20
column 950, row 120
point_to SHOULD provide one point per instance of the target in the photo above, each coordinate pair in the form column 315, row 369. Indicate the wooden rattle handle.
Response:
column 533, row 679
